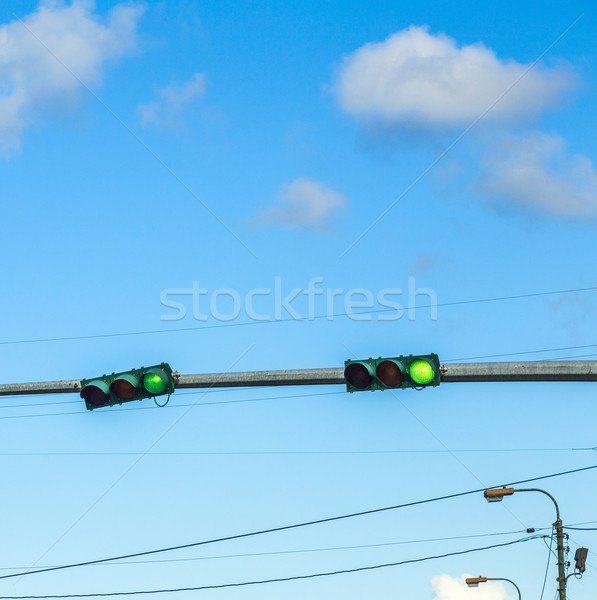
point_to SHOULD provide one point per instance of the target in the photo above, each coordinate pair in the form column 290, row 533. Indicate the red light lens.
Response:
column 358, row 376
column 389, row 373
column 94, row 396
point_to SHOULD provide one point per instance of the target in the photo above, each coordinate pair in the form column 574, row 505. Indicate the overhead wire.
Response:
column 295, row 452
column 292, row 526
column 201, row 392
column 272, row 580
column 153, row 407
column 548, row 560
column 289, row 319
column 543, row 350
column 302, row 550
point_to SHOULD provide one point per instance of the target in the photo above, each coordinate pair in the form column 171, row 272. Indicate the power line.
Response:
column 305, row 550
column 521, row 353
column 288, row 319
column 548, row 561
column 277, row 579
column 153, row 407
column 295, row 452
column 179, row 393
column 289, row 527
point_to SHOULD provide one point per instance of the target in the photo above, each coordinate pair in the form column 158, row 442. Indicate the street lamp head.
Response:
column 580, row 558
column 475, row 581
column 496, row 495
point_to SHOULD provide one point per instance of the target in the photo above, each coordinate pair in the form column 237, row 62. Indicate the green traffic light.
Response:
column 421, row 372
column 154, row 384
column 136, row 384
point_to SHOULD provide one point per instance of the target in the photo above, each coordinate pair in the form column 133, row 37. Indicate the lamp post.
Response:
column 496, row 495
column 475, row 581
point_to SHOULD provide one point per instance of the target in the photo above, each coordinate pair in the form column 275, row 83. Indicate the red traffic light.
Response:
column 358, row 375
column 95, row 393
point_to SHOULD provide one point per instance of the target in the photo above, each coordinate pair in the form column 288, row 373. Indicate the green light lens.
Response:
column 154, row 384
column 421, row 372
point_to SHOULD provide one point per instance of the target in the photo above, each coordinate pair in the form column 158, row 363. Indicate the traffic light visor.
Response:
column 389, row 373
column 155, row 381
column 421, row 371
column 358, row 375
column 95, row 393
column 125, row 386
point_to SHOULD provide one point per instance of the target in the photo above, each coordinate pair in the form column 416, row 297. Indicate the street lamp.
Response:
column 497, row 494
column 475, row 581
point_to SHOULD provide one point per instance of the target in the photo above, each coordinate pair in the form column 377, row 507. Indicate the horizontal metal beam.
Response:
column 539, row 370
column 333, row 376
column 564, row 370
column 41, row 387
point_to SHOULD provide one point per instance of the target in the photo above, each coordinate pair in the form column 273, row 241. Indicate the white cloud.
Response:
column 454, row 588
column 304, row 203
column 534, row 170
column 414, row 78
column 34, row 52
column 172, row 100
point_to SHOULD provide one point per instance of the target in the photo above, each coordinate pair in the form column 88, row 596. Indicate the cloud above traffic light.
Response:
column 429, row 81
column 416, row 81
column 48, row 56
column 534, row 170
column 171, row 101
column 303, row 204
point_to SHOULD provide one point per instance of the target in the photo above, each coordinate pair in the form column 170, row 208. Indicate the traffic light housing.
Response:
column 398, row 372
column 136, row 384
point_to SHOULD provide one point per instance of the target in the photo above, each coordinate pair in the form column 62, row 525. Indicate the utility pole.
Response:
column 497, row 494
column 563, row 370
column 560, row 541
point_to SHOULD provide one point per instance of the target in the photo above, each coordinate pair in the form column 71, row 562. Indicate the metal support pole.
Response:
column 504, row 579
column 536, row 370
column 570, row 370
column 332, row 376
column 561, row 579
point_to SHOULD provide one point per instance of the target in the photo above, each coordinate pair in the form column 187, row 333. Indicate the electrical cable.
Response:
column 35, row 395
column 295, row 452
column 273, row 580
column 449, row 360
column 292, row 526
column 133, row 408
column 548, row 560
column 302, row 550
column 317, row 317
column 570, row 357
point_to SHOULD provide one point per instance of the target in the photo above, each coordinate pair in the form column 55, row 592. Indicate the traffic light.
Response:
column 392, row 373
column 136, row 384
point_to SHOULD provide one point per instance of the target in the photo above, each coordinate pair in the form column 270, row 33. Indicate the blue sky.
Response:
column 243, row 147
